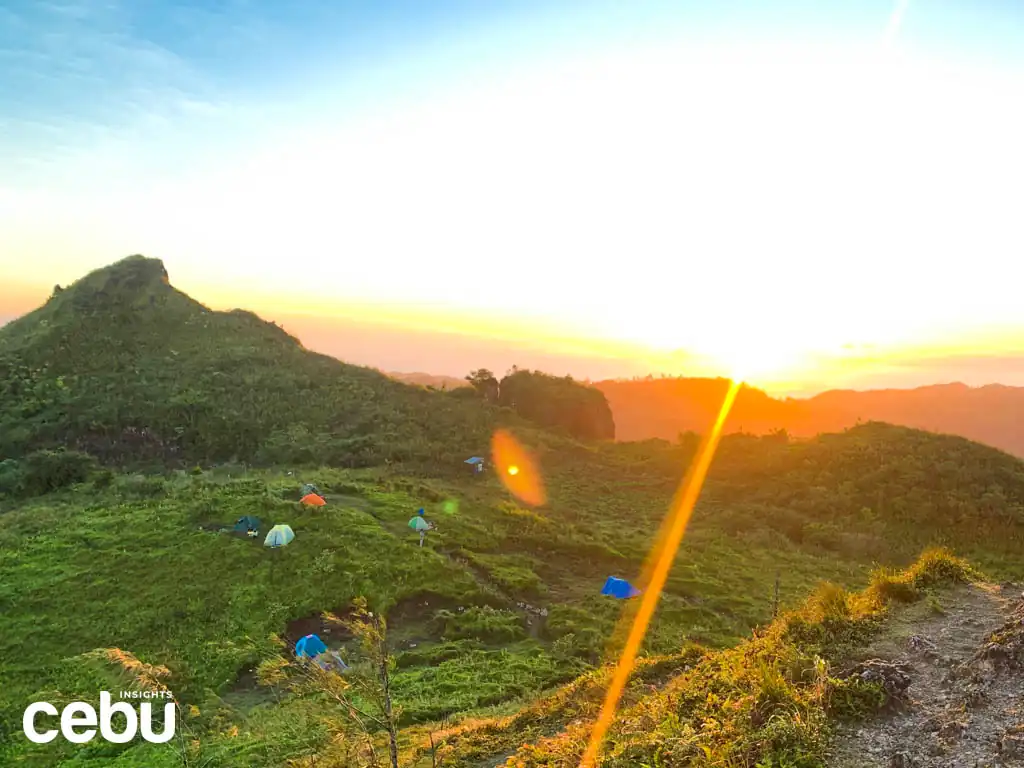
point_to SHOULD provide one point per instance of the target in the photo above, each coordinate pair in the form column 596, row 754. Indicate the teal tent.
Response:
column 279, row 536
column 247, row 523
column 419, row 524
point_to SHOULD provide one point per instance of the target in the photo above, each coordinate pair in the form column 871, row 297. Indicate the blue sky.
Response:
column 161, row 83
column 591, row 159
column 173, row 81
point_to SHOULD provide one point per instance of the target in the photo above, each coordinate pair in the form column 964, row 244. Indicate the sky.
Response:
column 804, row 194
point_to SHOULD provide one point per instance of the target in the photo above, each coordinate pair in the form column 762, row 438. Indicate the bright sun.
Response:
column 752, row 362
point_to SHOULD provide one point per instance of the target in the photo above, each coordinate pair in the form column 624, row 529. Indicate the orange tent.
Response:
column 313, row 499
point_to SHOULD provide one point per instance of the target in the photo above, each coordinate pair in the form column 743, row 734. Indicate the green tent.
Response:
column 279, row 536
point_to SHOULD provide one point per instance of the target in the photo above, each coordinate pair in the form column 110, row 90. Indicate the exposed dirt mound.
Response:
column 314, row 624
column 958, row 681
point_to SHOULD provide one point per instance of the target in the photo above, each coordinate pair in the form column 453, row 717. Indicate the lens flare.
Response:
column 637, row 617
column 450, row 507
column 517, row 469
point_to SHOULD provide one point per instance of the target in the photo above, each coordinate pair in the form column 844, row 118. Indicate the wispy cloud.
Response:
column 80, row 79
column 892, row 29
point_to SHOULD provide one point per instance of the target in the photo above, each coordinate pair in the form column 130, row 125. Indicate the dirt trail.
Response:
column 963, row 680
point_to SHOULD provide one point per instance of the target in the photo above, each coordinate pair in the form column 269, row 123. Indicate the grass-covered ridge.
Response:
column 767, row 702
column 124, row 366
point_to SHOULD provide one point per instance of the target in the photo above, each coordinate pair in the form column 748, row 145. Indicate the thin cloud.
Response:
column 892, row 29
column 78, row 84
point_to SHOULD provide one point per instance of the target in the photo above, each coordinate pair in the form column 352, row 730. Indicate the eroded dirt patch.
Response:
column 963, row 704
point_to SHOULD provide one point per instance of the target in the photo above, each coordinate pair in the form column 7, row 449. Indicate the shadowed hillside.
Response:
column 665, row 407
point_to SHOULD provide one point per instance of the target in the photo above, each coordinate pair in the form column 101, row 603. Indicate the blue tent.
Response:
column 474, row 460
column 310, row 646
column 619, row 588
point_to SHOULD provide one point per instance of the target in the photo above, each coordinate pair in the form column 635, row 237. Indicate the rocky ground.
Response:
column 956, row 668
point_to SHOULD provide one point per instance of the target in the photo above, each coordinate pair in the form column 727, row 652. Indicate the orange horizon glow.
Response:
column 775, row 364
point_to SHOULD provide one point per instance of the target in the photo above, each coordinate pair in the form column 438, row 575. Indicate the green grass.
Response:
column 134, row 564
column 767, row 702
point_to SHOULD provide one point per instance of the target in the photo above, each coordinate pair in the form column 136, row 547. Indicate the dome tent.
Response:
column 620, row 589
column 279, row 536
column 310, row 647
column 246, row 523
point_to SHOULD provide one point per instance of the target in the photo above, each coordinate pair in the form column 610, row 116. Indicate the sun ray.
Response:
column 656, row 572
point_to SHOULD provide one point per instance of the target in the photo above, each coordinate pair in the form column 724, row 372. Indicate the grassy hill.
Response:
column 140, row 561
column 125, row 366
column 663, row 408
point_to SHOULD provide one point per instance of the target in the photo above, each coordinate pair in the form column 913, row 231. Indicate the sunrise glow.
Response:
column 681, row 195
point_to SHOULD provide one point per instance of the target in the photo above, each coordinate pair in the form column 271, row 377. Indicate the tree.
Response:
column 558, row 402
column 485, row 383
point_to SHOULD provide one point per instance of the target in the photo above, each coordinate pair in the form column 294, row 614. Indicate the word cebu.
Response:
column 78, row 721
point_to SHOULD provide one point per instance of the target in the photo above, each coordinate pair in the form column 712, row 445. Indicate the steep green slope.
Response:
column 124, row 366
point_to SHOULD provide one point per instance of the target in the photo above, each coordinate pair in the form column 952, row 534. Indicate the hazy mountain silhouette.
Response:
column 647, row 408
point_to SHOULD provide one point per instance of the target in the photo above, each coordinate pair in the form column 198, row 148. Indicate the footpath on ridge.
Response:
column 958, row 675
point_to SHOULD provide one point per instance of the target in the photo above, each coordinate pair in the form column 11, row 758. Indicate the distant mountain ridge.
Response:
column 428, row 380
column 662, row 408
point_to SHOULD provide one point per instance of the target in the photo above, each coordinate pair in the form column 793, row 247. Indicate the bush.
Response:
column 12, row 478
column 888, row 586
column 483, row 622
column 830, row 602
column 46, row 471
column 940, row 566
column 855, row 698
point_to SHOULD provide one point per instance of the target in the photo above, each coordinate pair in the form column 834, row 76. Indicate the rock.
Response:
column 891, row 675
column 919, row 643
column 952, row 729
column 901, row 760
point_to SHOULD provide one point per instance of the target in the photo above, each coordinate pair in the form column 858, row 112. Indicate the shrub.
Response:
column 940, row 566
column 46, row 471
column 888, row 585
column 831, row 602
column 12, row 478
column 854, row 698
column 482, row 622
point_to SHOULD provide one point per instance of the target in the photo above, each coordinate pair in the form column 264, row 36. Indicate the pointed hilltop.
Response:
column 125, row 366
